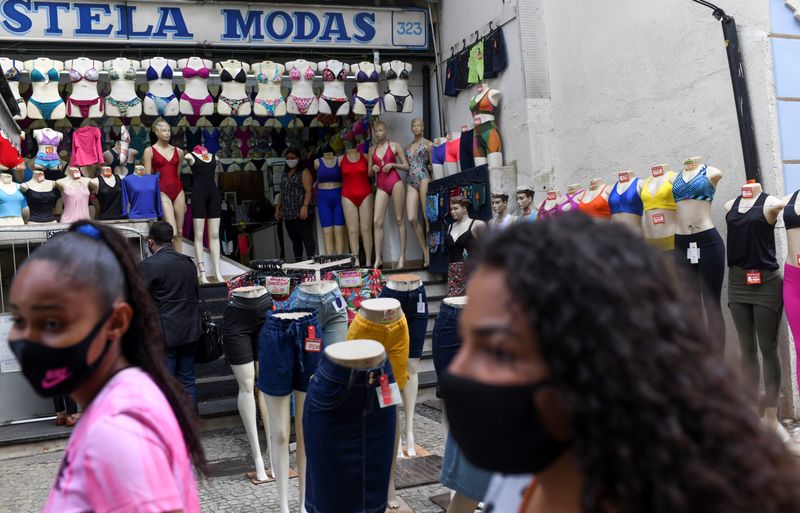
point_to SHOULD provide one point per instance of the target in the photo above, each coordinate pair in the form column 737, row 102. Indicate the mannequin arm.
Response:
column 402, row 163
column 147, row 160
column 370, row 166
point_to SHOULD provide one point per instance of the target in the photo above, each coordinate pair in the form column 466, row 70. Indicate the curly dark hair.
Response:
column 660, row 422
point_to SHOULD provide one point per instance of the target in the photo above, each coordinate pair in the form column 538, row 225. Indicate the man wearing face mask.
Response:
column 170, row 277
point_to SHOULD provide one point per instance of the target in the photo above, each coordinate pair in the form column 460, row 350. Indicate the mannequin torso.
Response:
column 381, row 311
column 12, row 209
column 398, row 98
column 123, row 100
column 12, row 70
column 625, row 201
column 45, row 102
column 269, row 101
column 196, row 100
column 550, row 206
column 660, row 214
column 233, row 99
column 693, row 189
column 84, row 101
column 334, row 97
column 367, row 99
column 302, row 100
column 160, row 99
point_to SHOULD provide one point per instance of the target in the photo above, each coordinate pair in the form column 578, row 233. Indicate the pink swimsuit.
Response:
column 386, row 181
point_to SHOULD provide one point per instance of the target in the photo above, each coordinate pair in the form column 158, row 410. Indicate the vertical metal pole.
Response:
column 438, row 57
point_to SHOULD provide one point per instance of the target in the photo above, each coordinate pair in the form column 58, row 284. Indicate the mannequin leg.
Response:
column 180, row 211
column 246, row 402
column 438, row 171
column 214, row 248
column 381, row 205
column 327, row 237
column 169, row 214
column 743, row 319
column 262, row 408
column 279, row 418
column 300, row 453
column 339, row 239
column 392, row 501
column 495, row 160
column 399, row 202
column 480, row 161
column 461, row 504
column 353, row 227
column 767, row 322
column 199, row 229
column 423, row 193
column 412, row 211
column 365, row 212
column 410, row 403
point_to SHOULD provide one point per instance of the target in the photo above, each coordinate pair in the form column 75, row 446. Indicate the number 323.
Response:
column 409, row 28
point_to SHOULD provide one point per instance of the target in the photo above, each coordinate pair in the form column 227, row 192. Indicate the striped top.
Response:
column 698, row 188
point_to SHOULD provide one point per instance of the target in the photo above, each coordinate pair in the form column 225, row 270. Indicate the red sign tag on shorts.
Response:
column 386, row 392
column 313, row 344
column 747, row 192
column 658, row 219
column 657, row 171
column 754, row 277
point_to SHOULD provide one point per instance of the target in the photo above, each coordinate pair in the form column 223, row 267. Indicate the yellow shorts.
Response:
column 395, row 340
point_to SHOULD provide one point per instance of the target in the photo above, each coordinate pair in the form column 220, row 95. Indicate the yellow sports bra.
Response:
column 663, row 197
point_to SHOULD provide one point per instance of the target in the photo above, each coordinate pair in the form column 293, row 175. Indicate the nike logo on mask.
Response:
column 55, row 376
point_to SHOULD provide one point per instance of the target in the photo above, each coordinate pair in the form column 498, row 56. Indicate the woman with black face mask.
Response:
column 85, row 326
column 587, row 364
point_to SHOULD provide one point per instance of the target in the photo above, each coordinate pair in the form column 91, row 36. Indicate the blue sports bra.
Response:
column 51, row 75
column 698, row 188
column 11, row 205
column 328, row 174
column 628, row 202
column 152, row 74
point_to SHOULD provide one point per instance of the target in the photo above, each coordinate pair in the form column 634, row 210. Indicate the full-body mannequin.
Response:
column 333, row 90
column 8, row 187
column 173, row 210
column 196, row 88
column 46, row 91
column 45, row 136
column 302, row 99
column 633, row 221
column 199, row 228
column 39, row 184
column 772, row 208
column 484, row 114
column 358, row 218
column 238, row 102
column 502, row 219
column 122, row 75
column 333, row 235
column 380, row 149
column 658, row 224
column 367, row 90
column 84, row 89
column 398, row 98
column 12, row 68
column 416, row 196
column 74, row 180
column 269, row 100
column 525, row 195
column 160, row 99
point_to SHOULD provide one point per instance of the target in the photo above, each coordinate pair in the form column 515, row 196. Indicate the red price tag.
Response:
column 480, row 88
column 657, row 171
column 386, row 392
column 624, row 177
column 552, row 196
column 754, row 277
column 49, row 149
column 313, row 344
column 658, row 219
column 747, row 192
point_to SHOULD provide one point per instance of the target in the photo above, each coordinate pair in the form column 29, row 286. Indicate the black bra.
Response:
column 790, row 217
column 392, row 74
column 240, row 77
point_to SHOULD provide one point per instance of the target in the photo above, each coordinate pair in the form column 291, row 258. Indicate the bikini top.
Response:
column 698, row 188
column 328, row 76
column 598, row 206
column 294, row 73
column 240, row 77
column 199, row 72
column 663, row 197
column 362, row 76
column 50, row 76
column 628, row 202
column 152, row 74
column 49, row 141
column 549, row 212
column 573, row 205
column 12, row 74
column 91, row 75
column 482, row 106
column 790, row 218
column 130, row 74
column 263, row 78
column 392, row 74
column 388, row 156
column 329, row 174
column 456, row 248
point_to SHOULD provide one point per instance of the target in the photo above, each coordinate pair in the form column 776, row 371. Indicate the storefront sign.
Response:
column 221, row 23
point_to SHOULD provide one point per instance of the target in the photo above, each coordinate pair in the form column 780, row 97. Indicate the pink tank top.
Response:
column 76, row 204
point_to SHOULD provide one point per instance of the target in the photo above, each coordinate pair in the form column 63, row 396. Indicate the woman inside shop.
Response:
column 294, row 205
column 95, row 336
column 602, row 380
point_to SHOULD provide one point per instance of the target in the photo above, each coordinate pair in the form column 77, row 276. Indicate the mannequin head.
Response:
column 459, row 208
column 380, row 132
column 524, row 198
column 499, row 204
column 292, row 158
column 162, row 130
column 417, row 127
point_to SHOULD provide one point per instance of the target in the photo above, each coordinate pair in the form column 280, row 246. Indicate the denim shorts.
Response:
column 283, row 362
column 446, row 341
column 460, row 475
column 331, row 313
column 417, row 320
column 349, row 440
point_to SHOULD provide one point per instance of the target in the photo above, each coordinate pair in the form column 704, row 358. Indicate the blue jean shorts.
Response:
column 284, row 364
column 460, row 475
column 446, row 341
column 331, row 313
column 414, row 304
column 349, row 440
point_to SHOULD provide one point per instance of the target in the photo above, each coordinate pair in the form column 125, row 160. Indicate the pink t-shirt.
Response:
column 126, row 455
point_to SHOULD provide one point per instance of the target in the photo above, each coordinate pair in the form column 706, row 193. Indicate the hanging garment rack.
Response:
column 497, row 23
column 311, row 265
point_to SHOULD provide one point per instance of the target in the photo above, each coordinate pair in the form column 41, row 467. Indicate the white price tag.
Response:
column 388, row 393
column 279, row 285
column 693, row 253
column 350, row 279
column 421, row 306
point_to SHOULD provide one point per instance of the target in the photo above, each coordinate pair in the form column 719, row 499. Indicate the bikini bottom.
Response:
column 303, row 104
column 487, row 140
column 197, row 104
column 84, row 106
column 270, row 105
column 369, row 105
column 235, row 105
column 47, row 160
column 439, row 153
column 46, row 108
column 334, row 104
column 124, row 105
column 400, row 101
column 162, row 102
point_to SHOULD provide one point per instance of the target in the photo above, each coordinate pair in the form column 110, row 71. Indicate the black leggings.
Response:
column 759, row 321
column 301, row 233
column 64, row 403
column 708, row 272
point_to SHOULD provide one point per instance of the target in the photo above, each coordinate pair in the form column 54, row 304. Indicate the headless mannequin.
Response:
column 84, row 89
column 75, row 180
column 249, row 395
column 367, row 91
column 772, row 208
column 597, row 187
column 279, row 409
column 437, row 170
column 234, row 91
column 386, row 311
column 551, row 201
column 334, row 89
column 659, row 222
column 358, row 219
column 47, row 149
column 632, row 221
column 416, row 197
column 407, row 283
column 123, row 89
column 381, row 148
column 12, row 65
column 173, row 210
column 39, row 184
column 8, row 187
column 494, row 159
column 694, row 216
column 47, row 91
column 398, row 98
column 302, row 99
column 269, row 76
column 451, row 168
column 160, row 88
column 574, row 194
column 333, row 235
column 502, row 219
column 525, row 204
column 121, row 169
column 199, row 229
column 195, row 88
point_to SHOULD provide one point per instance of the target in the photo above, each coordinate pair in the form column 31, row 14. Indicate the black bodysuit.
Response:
column 205, row 194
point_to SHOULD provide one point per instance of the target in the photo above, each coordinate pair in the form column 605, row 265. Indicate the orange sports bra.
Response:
column 598, row 207
column 663, row 197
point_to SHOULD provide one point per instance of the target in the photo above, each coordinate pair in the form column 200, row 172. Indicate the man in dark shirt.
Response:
column 172, row 281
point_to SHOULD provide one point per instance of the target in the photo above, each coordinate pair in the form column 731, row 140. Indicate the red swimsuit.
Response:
column 355, row 181
column 169, row 181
